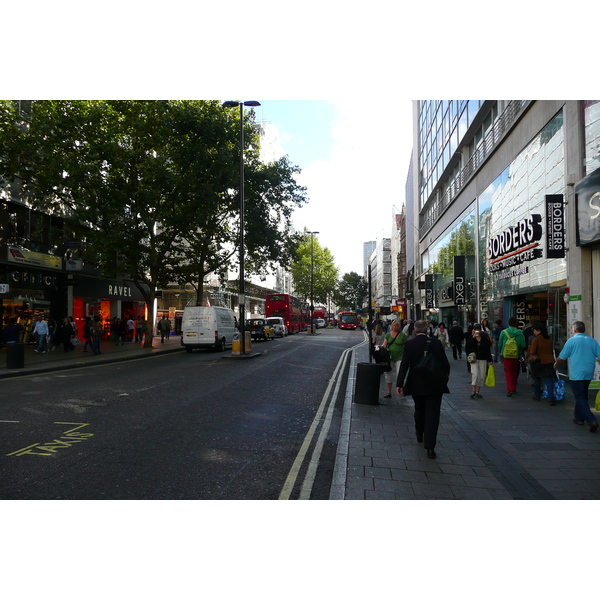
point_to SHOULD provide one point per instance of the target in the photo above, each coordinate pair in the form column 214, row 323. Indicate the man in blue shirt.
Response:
column 582, row 352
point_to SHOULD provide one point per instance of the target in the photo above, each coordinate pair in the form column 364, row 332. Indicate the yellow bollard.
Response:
column 236, row 345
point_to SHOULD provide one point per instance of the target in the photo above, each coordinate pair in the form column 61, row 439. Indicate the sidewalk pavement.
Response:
column 497, row 447
column 58, row 359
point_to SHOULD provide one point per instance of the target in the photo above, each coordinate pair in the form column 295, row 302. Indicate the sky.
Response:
column 354, row 165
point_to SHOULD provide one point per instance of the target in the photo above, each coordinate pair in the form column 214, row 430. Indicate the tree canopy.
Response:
column 312, row 258
column 152, row 186
column 351, row 292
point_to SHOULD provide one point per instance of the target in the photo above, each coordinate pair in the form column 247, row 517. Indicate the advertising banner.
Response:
column 555, row 226
column 33, row 259
column 429, row 294
column 459, row 282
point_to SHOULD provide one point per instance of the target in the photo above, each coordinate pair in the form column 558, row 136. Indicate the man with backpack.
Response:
column 425, row 368
column 511, row 345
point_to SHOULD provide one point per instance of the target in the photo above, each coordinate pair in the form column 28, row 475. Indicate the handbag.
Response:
column 490, row 380
column 598, row 401
column 531, row 358
column 382, row 358
column 472, row 358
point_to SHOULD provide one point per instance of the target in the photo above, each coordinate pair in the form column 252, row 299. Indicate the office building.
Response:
column 505, row 195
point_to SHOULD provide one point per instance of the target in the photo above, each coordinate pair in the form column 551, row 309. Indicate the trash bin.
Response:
column 368, row 378
column 15, row 355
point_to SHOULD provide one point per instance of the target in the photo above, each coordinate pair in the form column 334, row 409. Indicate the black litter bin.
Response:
column 368, row 378
column 15, row 355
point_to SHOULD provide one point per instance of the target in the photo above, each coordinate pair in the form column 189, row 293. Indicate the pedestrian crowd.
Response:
column 406, row 349
column 48, row 336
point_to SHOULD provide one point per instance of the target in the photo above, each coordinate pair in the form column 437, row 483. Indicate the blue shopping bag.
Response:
column 559, row 390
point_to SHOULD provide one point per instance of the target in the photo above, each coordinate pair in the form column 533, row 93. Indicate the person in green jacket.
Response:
column 394, row 342
column 511, row 352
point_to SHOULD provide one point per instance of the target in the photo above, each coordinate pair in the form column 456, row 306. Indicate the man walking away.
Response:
column 164, row 326
column 456, row 339
column 496, row 335
column 511, row 345
column 427, row 392
column 581, row 351
column 130, row 329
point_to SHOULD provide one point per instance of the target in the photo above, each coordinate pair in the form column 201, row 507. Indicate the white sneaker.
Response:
column 36, row 351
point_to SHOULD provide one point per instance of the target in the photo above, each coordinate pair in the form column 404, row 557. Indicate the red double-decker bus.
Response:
column 348, row 320
column 289, row 308
column 319, row 312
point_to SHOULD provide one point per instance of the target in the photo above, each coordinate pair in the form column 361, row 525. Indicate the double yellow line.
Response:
column 328, row 398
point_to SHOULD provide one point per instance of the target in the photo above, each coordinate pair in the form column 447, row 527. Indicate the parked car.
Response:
column 278, row 325
column 321, row 323
column 260, row 329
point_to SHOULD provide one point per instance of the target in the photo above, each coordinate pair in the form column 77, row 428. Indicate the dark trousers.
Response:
column 582, row 411
column 511, row 373
column 457, row 350
column 427, row 418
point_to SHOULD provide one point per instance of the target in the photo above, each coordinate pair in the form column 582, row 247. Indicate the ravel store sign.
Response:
column 511, row 249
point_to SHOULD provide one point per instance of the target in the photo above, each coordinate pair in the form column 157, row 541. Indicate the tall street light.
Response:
column 312, row 277
column 242, row 294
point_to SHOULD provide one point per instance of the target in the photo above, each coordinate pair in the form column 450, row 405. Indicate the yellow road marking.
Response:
column 288, row 485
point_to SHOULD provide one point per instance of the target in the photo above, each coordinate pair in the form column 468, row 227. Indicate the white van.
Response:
column 207, row 327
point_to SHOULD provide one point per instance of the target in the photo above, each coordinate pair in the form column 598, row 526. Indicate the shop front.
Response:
column 27, row 292
column 448, row 290
column 107, row 298
column 522, row 238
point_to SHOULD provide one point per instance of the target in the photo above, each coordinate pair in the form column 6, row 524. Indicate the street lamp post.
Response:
column 242, row 294
column 312, row 278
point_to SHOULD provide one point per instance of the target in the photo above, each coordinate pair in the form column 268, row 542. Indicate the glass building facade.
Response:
column 493, row 260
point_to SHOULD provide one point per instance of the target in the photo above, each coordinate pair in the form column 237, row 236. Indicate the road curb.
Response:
column 83, row 362
column 340, row 469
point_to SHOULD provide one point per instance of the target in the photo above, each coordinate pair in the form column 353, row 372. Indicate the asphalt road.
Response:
column 180, row 426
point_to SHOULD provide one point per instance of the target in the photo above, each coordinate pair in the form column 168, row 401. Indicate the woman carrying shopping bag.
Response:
column 394, row 342
column 479, row 347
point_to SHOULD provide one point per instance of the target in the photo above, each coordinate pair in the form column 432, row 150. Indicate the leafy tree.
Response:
column 351, row 292
column 312, row 258
column 152, row 186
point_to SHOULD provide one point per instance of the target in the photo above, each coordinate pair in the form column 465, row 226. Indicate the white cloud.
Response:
column 353, row 193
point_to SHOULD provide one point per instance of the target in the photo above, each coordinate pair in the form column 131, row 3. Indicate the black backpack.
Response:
column 430, row 368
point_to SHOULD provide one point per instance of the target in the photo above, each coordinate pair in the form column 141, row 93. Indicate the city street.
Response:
column 179, row 426
column 164, row 424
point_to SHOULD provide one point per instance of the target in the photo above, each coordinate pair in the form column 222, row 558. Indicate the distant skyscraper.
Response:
column 368, row 249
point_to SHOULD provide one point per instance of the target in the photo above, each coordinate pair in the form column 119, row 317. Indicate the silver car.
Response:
column 279, row 326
